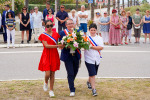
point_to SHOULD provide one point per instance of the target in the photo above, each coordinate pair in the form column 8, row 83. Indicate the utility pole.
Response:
column 134, row 2
column 58, row 5
column 92, row 9
column 13, row 8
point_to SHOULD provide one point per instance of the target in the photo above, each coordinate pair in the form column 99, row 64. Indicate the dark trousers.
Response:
column 60, row 28
column 30, row 34
column 5, row 34
column 72, row 66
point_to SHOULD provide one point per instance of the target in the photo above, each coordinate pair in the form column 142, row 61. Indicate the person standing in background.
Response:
column 114, row 31
column 146, row 26
column 105, row 25
column 45, row 11
column 7, row 9
column 96, row 21
column 37, row 18
column 51, row 17
column 124, row 22
column 31, row 24
column 74, row 17
column 129, row 26
column 0, row 20
column 25, row 24
column 83, row 15
column 10, row 25
column 137, row 21
column 61, row 16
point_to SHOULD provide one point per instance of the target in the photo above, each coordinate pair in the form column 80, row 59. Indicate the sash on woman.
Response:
column 94, row 44
column 50, row 37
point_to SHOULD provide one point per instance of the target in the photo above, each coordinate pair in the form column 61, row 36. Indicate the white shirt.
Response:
column 83, row 20
column 0, row 20
column 74, row 18
column 37, row 19
column 92, row 56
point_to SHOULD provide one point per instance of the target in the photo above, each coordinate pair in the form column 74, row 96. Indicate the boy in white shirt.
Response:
column 83, row 15
column 92, row 56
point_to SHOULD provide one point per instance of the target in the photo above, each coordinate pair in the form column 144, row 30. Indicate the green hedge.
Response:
column 142, row 8
column 67, row 6
column 18, row 5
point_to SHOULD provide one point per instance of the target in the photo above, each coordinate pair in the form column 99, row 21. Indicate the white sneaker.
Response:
column 72, row 94
column 45, row 87
column 51, row 94
column 7, row 47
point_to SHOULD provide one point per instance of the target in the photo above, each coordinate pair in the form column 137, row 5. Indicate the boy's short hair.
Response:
column 93, row 26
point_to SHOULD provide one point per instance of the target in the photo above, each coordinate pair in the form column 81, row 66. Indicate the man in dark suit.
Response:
column 70, row 58
column 7, row 9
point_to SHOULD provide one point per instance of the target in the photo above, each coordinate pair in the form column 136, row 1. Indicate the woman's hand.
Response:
column 61, row 46
column 25, row 25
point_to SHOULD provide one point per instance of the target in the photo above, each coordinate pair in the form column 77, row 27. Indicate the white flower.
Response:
column 81, row 33
column 74, row 35
column 64, row 37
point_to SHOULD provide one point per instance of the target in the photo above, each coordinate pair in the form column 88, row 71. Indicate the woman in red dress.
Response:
column 50, row 61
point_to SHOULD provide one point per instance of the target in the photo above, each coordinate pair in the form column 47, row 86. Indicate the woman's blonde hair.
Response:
column 128, row 12
column 73, row 10
column 147, row 11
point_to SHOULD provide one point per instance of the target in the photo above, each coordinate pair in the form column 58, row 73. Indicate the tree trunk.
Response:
column 114, row 4
column 27, row 3
column 128, row 3
column 76, row 4
column 92, row 9
column 134, row 2
column 123, row 4
column 108, row 7
column 58, row 5
column 118, row 3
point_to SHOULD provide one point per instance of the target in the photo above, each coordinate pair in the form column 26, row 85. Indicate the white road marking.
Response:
column 107, row 51
column 79, row 78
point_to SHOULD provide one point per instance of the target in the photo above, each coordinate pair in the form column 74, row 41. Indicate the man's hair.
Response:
column 36, row 7
column 68, row 20
column 7, row 6
column 82, row 6
column 47, row 3
column 93, row 26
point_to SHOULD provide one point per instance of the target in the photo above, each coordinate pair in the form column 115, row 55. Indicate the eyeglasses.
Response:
column 105, row 13
column 48, row 26
column 24, row 9
column 62, row 7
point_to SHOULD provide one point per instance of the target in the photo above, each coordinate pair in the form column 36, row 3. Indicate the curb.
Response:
column 23, row 45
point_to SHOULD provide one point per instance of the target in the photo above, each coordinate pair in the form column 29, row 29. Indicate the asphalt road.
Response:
column 131, row 60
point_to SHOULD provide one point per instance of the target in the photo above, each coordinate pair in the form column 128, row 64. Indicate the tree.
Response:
column 27, row 3
column 118, row 3
column 123, row 4
column 76, row 4
column 108, row 7
column 114, row 4
column 92, row 9
column 134, row 2
column 58, row 5
column 128, row 3
column 144, row 1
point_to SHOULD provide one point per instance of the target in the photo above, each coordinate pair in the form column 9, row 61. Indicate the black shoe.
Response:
column 94, row 92
column 89, row 85
column 22, row 42
column 27, row 41
column 35, row 41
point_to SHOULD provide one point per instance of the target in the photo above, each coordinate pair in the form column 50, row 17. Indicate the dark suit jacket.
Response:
column 66, row 51
column 4, row 16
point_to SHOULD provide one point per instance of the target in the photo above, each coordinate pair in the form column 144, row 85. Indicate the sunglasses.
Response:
column 49, row 11
column 48, row 26
column 105, row 13
column 24, row 9
column 62, row 7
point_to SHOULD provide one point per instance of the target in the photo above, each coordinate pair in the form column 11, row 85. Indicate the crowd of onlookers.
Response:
column 115, row 29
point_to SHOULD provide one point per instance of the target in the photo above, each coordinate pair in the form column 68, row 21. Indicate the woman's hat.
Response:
column 114, row 11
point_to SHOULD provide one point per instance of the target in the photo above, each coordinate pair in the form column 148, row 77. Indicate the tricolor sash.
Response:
column 94, row 44
column 50, row 37
column 67, row 33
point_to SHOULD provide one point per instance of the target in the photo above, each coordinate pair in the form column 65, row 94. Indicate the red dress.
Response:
column 50, row 60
